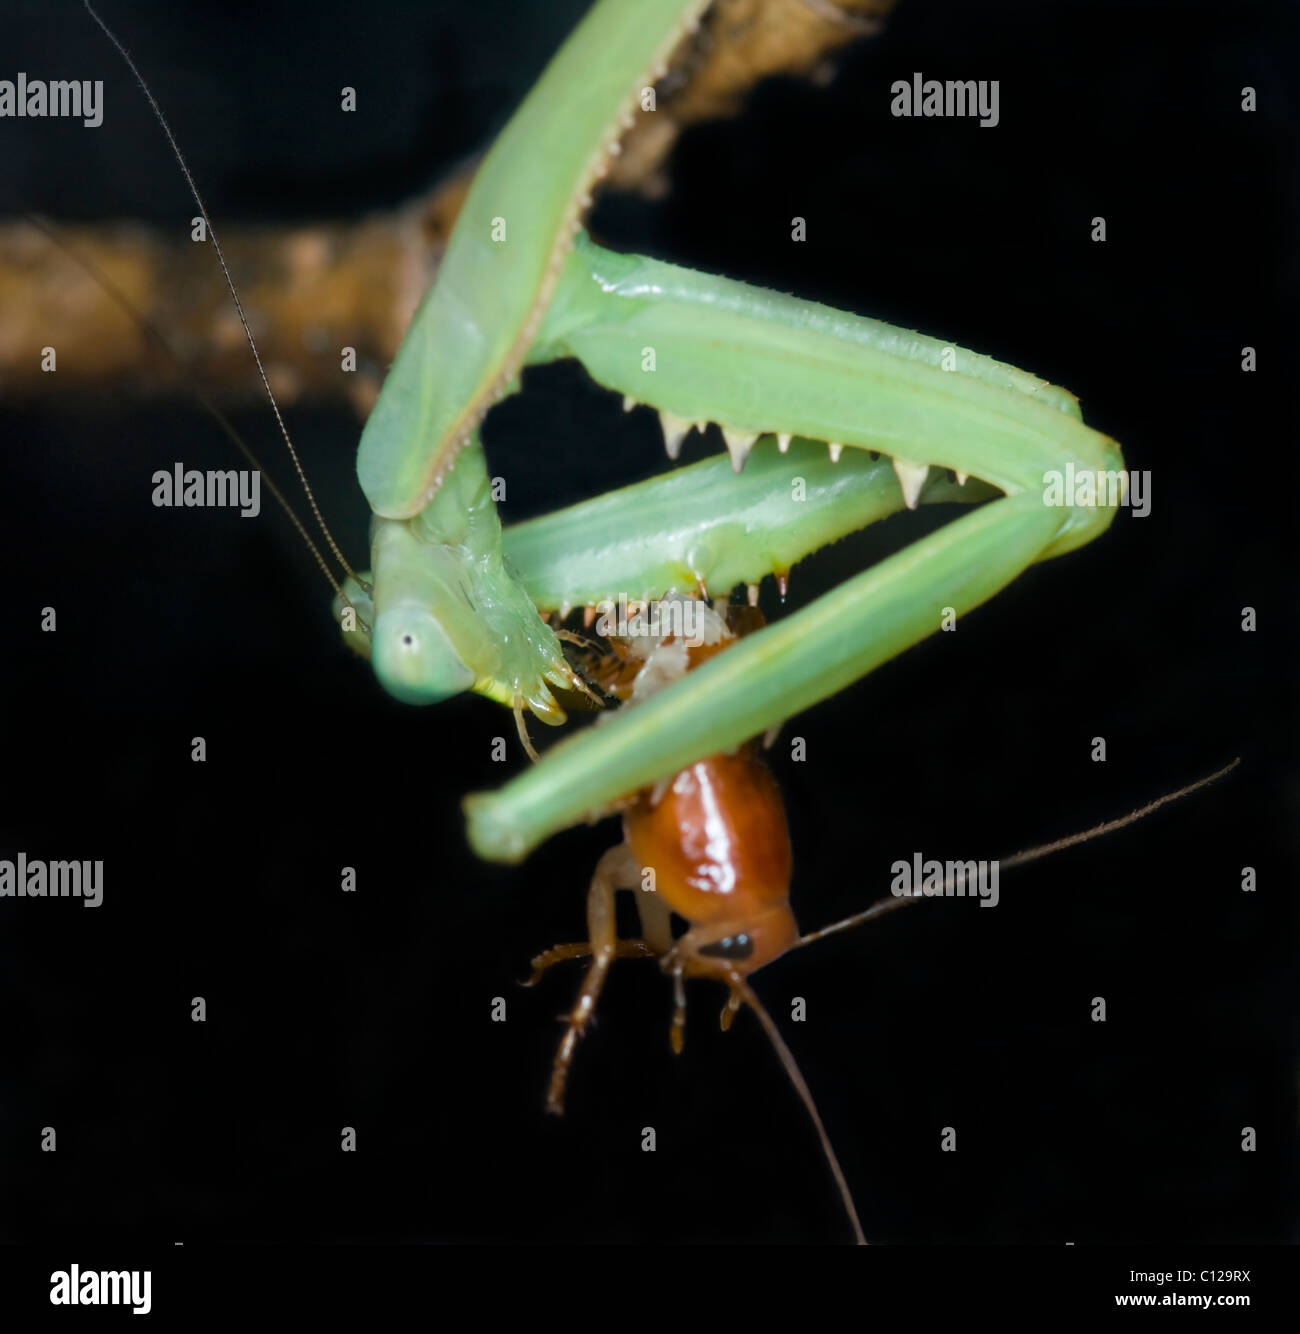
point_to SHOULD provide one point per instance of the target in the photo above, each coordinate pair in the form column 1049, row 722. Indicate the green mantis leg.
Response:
column 473, row 330
column 767, row 677
column 707, row 526
column 851, row 382
column 456, row 601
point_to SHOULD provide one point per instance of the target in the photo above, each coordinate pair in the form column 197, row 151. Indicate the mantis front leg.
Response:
column 850, row 382
column 768, row 678
column 700, row 349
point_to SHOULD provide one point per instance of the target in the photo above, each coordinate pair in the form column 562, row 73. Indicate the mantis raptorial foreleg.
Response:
column 704, row 525
column 870, row 387
column 468, row 340
column 456, row 602
column 769, row 677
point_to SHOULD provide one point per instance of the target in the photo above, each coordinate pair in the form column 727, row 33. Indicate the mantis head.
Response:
column 442, row 612
column 415, row 658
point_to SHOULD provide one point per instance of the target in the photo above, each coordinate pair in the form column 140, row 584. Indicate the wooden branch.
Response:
column 310, row 291
column 740, row 43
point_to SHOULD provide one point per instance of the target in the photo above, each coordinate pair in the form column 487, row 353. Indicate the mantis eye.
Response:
column 414, row 659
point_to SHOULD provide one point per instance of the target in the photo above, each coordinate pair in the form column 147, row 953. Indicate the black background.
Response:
column 372, row 1010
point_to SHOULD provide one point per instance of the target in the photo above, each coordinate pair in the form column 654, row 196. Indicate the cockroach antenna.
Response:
column 786, row 1056
column 742, row 989
column 883, row 906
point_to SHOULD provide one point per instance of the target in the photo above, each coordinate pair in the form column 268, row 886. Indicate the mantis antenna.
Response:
column 248, row 333
column 160, row 340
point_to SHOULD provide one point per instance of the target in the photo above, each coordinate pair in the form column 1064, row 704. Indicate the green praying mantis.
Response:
column 832, row 421
column 454, row 603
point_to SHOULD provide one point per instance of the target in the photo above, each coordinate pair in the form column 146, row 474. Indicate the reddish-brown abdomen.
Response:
column 717, row 838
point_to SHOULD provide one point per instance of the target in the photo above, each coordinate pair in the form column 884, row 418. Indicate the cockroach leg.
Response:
column 617, row 869
column 580, row 949
column 656, row 920
column 677, row 1030
column 734, row 1001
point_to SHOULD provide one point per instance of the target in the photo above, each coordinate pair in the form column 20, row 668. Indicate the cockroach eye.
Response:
column 739, row 946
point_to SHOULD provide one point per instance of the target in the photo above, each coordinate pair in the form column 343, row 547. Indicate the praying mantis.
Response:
column 619, row 757
column 454, row 610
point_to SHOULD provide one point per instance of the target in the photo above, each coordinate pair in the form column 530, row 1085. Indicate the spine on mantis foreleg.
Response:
column 757, row 362
column 471, row 333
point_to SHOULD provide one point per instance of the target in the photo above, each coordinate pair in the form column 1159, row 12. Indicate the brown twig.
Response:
column 313, row 290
